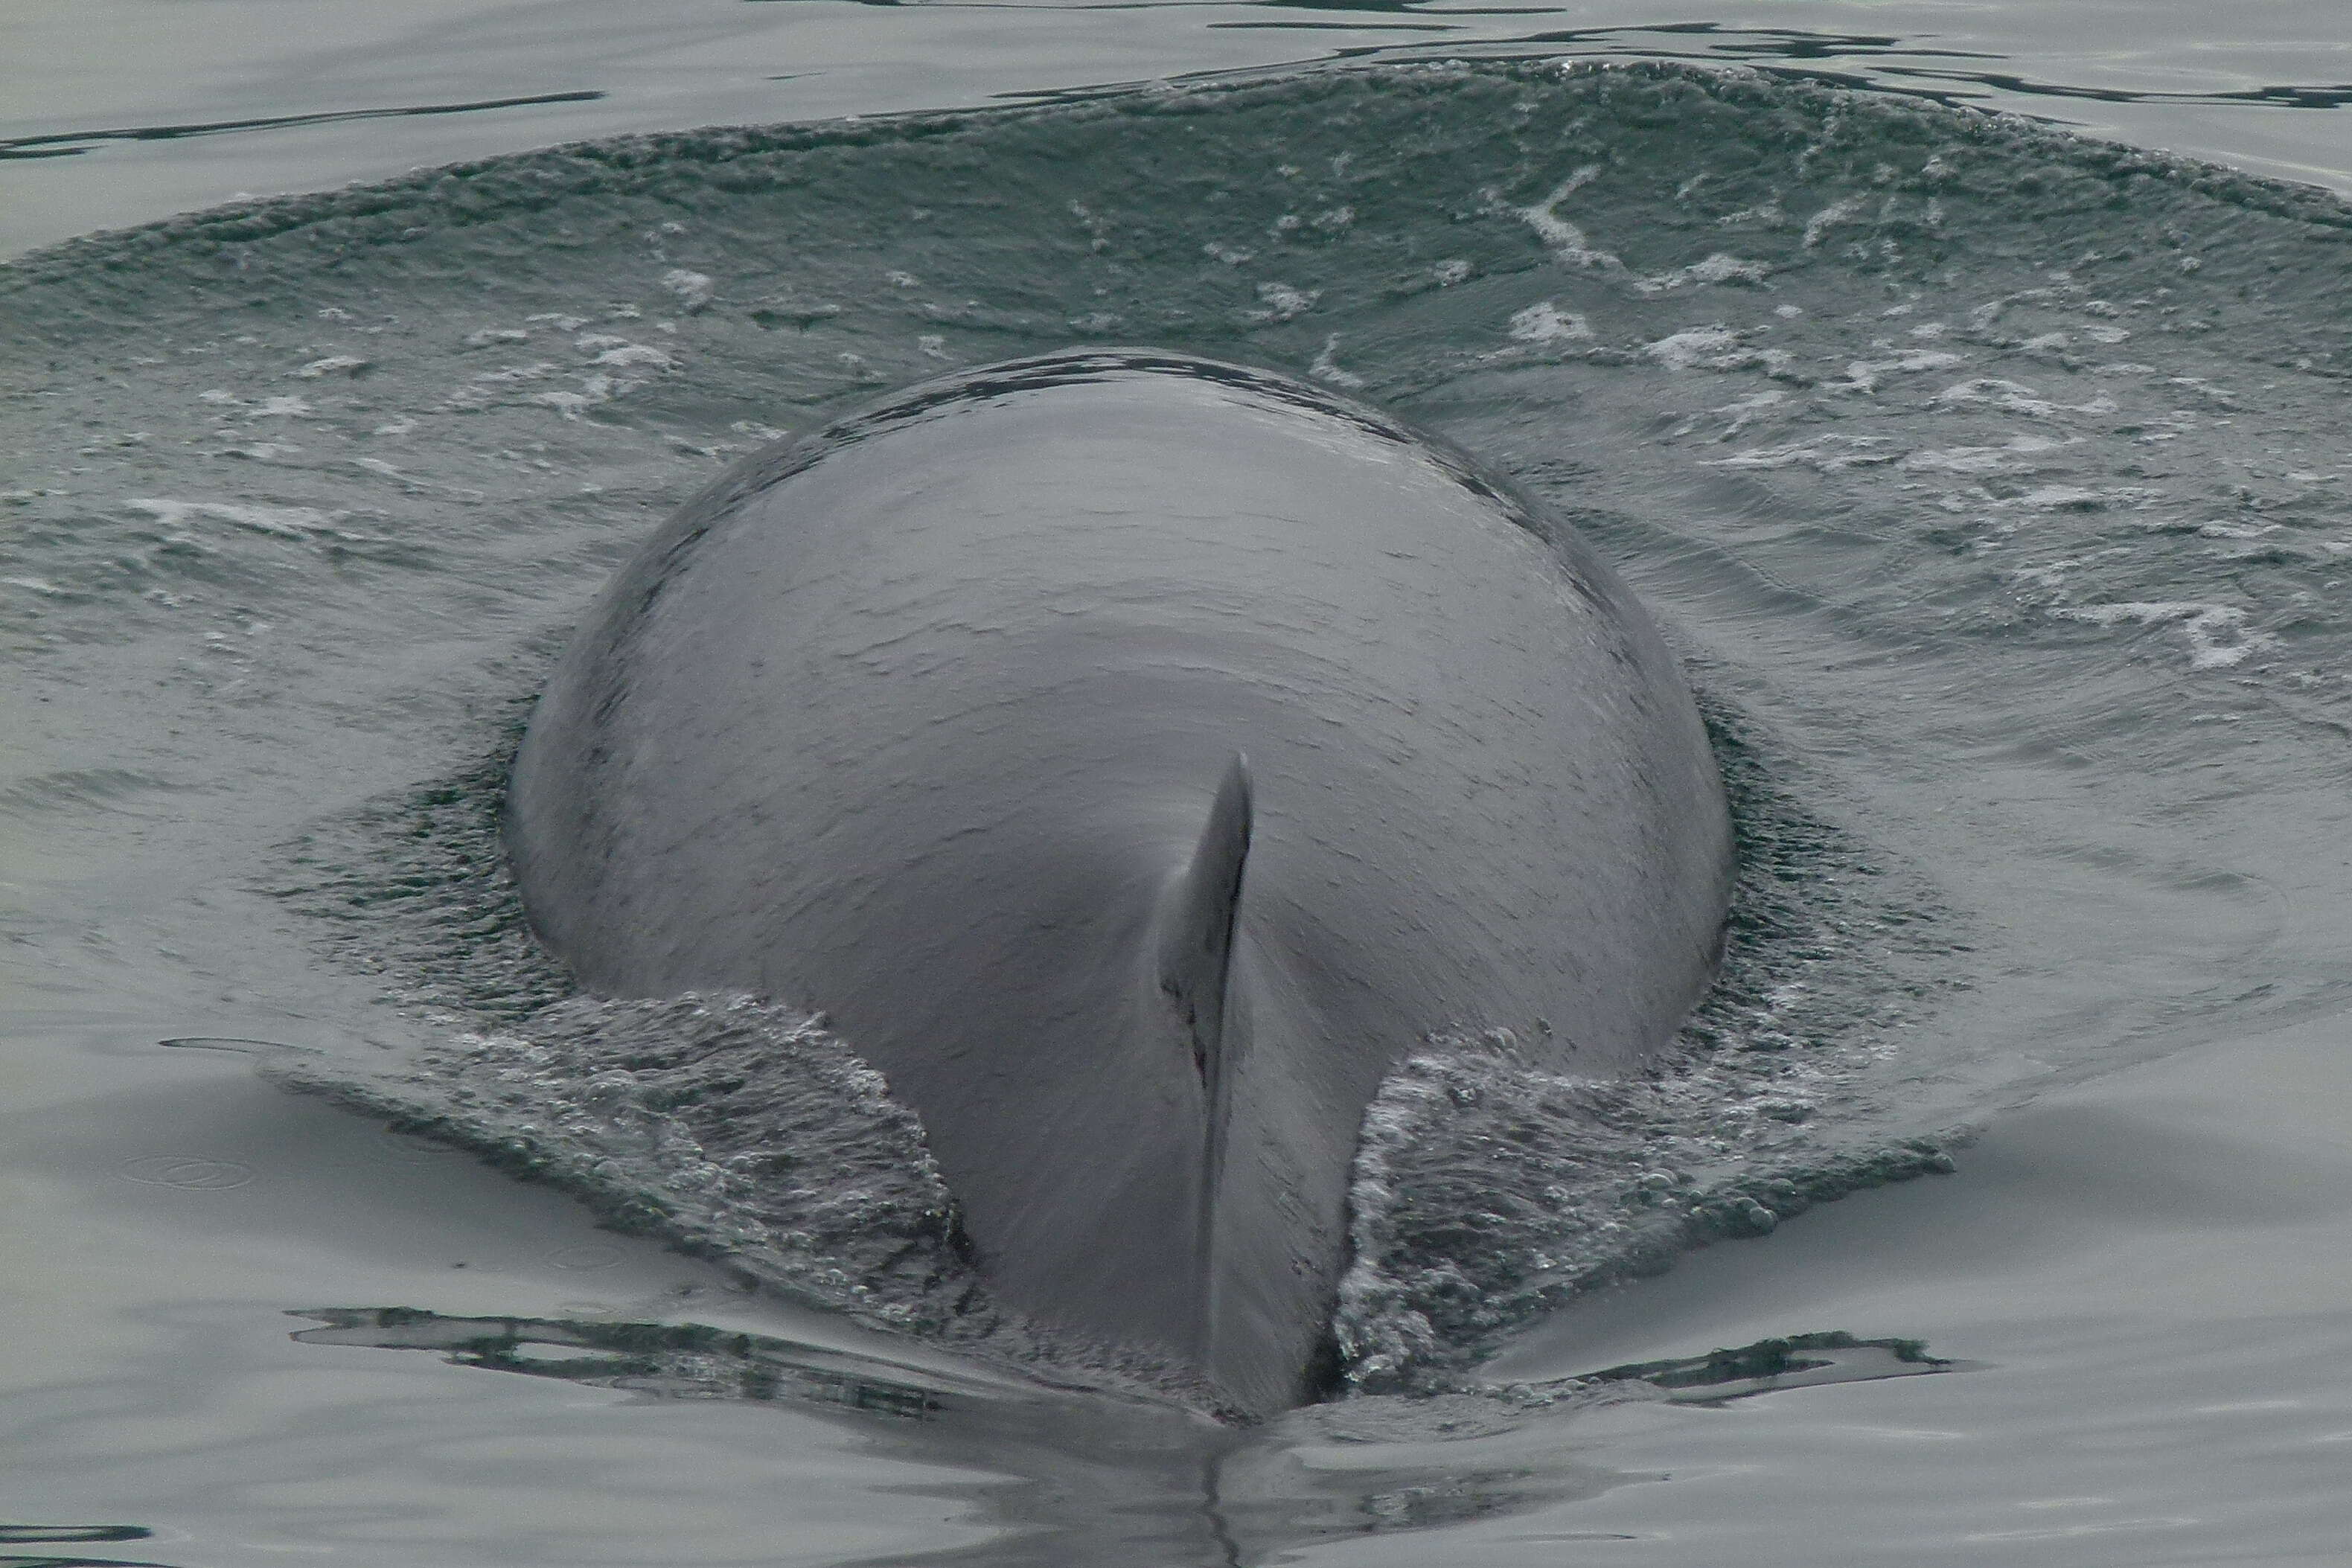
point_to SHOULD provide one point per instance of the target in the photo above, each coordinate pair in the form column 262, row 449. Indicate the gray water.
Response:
column 1988, row 479
column 117, row 111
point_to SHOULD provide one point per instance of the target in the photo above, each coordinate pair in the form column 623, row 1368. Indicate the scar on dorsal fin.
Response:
column 1196, row 935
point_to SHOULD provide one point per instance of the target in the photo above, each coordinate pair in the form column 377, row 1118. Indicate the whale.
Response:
column 1135, row 756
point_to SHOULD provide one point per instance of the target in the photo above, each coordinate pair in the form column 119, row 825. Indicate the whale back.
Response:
column 935, row 720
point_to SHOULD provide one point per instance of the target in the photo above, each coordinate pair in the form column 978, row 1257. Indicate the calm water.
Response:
column 1991, row 482
column 117, row 111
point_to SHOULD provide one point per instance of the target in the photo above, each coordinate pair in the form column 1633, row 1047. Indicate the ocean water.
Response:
column 1989, row 478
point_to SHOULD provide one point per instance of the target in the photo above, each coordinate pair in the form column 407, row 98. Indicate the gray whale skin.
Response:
column 1137, row 755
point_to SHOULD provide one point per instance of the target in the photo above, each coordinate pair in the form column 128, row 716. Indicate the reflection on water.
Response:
column 167, row 89
column 1090, row 1478
column 664, row 1361
column 2274, row 97
column 1880, row 62
column 67, row 143
column 1805, row 1361
column 73, row 1535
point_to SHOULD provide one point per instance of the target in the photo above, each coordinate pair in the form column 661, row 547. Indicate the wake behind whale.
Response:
column 936, row 721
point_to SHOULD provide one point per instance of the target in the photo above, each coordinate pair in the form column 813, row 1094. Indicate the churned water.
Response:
column 1990, row 480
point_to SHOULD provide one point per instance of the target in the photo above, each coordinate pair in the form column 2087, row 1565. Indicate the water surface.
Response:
column 1990, row 480
column 117, row 111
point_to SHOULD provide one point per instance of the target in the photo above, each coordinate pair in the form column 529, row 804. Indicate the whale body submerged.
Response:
column 1135, row 755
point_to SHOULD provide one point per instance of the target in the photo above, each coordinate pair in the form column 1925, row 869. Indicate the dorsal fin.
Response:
column 1196, row 935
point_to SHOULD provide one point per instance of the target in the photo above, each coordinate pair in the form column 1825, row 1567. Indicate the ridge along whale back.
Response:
column 934, row 720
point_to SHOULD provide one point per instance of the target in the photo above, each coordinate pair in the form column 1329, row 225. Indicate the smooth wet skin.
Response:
column 921, row 721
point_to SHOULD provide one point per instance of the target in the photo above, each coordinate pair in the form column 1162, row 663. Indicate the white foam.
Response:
column 692, row 289
column 2218, row 638
column 2016, row 399
column 1828, row 454
column 594, row 391
column 1564, row 239
column 1717, row 268
column 280, row 522
column 2002, row 459
column 1548, row 323
column 1713, row 348
column 1284, row 301
column 629, row 354
column 1743, row 412
column 1326, row 367
column 1862, row 375
column 1829, row 217
column 1692, row 345
column 2057, row 498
